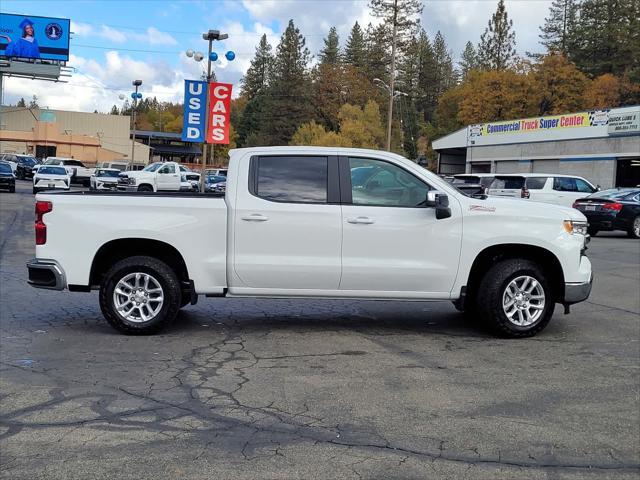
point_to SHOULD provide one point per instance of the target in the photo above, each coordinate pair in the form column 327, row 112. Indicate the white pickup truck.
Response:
column 314, row 222
column 161, row 176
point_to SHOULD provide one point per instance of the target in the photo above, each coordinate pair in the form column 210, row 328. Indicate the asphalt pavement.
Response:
column 315, row 389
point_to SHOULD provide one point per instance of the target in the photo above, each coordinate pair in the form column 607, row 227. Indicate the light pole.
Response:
column 393, row 94
column 136, row 96
column 212, row 56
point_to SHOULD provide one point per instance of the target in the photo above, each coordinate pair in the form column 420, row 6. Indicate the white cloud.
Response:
column 151, row 35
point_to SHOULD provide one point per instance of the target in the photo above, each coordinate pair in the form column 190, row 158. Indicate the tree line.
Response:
column 591, row 60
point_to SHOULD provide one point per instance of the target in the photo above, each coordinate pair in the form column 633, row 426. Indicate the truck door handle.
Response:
column 255, row 217
column 361, row 220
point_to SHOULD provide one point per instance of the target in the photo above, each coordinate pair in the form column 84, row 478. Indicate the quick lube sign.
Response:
column 195, row 99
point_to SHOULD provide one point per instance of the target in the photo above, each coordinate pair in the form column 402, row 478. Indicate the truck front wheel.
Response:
column 515, row 299
column 140, row 295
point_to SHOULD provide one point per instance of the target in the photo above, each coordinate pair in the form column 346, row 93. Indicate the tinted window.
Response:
column 583, row 186
column 509, row 183
column 28, row 161
column 168, row 169
column 293, row 179
column 74, row 163
column 5, row 168
column 565, row 184
column 107, row 173
column 374, row 182
column 465, row 179
column 536, row 183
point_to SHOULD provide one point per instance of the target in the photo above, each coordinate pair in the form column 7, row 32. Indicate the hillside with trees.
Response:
column 591, row 60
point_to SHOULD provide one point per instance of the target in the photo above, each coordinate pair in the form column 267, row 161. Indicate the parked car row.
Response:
column 607, row 210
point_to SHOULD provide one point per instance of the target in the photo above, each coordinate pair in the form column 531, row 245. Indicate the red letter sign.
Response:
column 219, row 113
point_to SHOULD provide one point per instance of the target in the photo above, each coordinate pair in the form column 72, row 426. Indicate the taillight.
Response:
column 612, row 206
column 41, row 228
column 524, row 193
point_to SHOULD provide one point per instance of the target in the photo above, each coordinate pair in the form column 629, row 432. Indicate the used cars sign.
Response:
column 195, row 98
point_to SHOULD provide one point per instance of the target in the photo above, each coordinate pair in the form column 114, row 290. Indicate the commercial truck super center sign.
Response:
column 194, row 114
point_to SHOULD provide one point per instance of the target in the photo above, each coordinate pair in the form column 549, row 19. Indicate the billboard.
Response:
column 193, row 116
column 219, row 113
column 32, row 37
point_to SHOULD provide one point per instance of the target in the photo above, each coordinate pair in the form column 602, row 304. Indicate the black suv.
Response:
column 24, row 168
column 7, row 180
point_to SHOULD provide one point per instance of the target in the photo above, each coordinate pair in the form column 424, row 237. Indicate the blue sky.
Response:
column 116, row 41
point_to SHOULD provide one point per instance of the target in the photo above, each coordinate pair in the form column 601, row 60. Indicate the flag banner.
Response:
column 195, row 100
column 219, row 113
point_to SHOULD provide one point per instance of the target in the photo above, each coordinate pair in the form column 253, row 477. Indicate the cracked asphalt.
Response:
column 306, row 389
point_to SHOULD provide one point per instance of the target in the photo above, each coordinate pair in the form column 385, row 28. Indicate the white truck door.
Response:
column 287, row 223
column 391, row 241
column 569, row 189
column 168, row 177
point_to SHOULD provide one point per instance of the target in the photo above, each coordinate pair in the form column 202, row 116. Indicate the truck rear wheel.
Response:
column 145, row 188
column 515, row 299
column 140, row 295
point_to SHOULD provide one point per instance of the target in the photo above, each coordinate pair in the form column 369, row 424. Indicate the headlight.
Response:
column 573, row 227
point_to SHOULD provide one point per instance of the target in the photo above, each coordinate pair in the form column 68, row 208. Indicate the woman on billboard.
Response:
column 27, row 45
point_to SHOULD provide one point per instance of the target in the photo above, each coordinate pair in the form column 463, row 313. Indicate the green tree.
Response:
column 21, row 103
column 468, row 60
column 558, row 32
column 378, row 56
column 330, row 54
column 288, row 104
column 114, row 110
column 609, row 37
column 496, row 50
column 34, row 102
column 256, row 79
column 355, row 52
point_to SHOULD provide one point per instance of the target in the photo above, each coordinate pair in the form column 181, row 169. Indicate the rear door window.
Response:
column 291, row 179
column 536, row 183
column 565, row 184
column 584, row 186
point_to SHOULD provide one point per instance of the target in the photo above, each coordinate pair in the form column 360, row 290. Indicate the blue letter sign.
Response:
column 195, row 94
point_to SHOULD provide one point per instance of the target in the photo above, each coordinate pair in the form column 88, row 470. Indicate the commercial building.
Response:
column 602, row 146
column 89, row 137
column 169, row 147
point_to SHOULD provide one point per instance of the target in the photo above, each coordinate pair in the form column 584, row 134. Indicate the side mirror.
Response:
column 439, row 201
column 598, row 188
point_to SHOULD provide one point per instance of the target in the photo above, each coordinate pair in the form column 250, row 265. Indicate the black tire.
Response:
column 490, row 294
column 145, row 188
column 592, row 231
column 185, row 301
column 167, row 279
column 632, row 232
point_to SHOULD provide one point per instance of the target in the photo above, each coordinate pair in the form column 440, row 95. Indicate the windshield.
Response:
column 53, row 161
column 5, row 168
column 107, row 173
column 30, row 161
column 152, row 168
column 216, row 179
column 508, row 182
column 52, row 171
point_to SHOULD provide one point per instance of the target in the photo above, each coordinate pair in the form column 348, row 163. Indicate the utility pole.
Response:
column 211, row 35
column 135, row 95
column 392, row 80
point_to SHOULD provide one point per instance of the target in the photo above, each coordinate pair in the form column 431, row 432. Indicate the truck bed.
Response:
column 191, row 223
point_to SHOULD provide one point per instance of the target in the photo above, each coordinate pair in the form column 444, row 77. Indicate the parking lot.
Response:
column 315, row 388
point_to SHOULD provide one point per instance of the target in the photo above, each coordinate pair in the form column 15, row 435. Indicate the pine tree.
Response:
column 330, row 54
column 287, row 105
column 468, row 60
column 557, row 33
column 355, row 51
column 497, row 44
column 21, row 103
column 609, row 36
column 34, row 102
column 114, row 110
column 445, row 73
column 377, row 52
column 257, row 77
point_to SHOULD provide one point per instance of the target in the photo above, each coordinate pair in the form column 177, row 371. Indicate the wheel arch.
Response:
column 547, row 260
column 116, row 250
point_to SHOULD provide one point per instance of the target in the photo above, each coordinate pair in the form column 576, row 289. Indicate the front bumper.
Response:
column 46, row 274
column 577, row 292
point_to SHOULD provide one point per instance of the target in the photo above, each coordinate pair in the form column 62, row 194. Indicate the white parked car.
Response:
column 548, row 188
column 295, row 223
column 51, row 177
column 105, row 179
column 77, row 171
